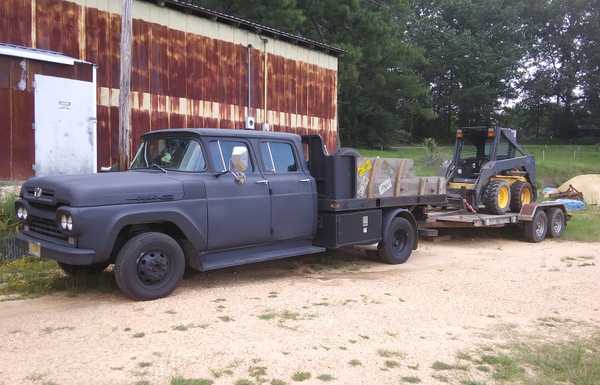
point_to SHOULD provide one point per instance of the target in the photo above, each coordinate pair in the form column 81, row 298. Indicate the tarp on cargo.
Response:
column 588, row 185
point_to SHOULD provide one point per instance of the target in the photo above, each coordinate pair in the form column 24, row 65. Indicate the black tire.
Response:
column 149, row 266
column 348, row 151
column 536, row 230
column 518, row 196
column 75, row 270
column 556, row 222
column 398, row 241
column 492, row 197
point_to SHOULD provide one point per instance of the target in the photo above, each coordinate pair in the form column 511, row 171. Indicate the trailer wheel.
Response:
column 398, row 242
column 496, row 197
column 556, row 220
column 149, row 266
column 536, row 230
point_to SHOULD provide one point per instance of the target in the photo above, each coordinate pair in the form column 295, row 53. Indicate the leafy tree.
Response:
column 381, row 93
column 472, row 49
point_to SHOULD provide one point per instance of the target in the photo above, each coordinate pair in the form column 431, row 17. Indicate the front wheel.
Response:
column 149, row 266
column 75, row 270
column 398, row 241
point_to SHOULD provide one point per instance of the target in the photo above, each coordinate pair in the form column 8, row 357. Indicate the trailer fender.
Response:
column 389, row 215
column 528, row 211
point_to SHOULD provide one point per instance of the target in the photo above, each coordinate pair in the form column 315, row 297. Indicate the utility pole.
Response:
column 125, row 86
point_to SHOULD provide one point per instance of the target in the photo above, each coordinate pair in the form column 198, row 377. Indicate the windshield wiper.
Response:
column 158, row 167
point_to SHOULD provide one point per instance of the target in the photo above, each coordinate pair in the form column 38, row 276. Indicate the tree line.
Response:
column 421, row 68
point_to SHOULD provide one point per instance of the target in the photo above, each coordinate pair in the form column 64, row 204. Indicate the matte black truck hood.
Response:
column 103, row 189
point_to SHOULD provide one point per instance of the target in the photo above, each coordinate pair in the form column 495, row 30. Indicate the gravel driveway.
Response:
column 347, row 320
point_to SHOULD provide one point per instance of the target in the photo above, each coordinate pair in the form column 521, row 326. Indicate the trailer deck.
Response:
column 463, row 218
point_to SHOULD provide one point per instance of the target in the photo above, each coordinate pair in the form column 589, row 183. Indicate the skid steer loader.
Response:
column 490, row 172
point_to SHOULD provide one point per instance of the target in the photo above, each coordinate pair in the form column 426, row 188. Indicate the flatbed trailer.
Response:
column 537, row 220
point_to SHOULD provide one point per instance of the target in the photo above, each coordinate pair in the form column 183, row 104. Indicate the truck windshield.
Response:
column 170, row 153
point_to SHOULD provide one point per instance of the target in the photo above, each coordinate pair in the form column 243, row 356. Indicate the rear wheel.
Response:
column 536, row 230
column 496, row 197
column 521, row 194
column 74, row 270
column 398, row 241
column 556, row 221
column 149, row 266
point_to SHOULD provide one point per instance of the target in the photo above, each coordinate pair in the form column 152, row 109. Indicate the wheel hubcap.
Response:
column 400, row 240
column 152, row 267
column 539, row 228
column 503, row 197
column 526, row 196
column 557, row 225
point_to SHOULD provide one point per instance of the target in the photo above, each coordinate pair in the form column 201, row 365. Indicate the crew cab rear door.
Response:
column 293, row 191
column 239, row 213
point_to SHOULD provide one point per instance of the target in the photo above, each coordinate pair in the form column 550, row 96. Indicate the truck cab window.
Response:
column 170, row 153
column 278, row 157
column 220, row 154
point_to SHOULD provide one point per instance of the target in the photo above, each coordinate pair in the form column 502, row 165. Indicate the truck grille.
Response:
column 47, row 227
column 46, row 193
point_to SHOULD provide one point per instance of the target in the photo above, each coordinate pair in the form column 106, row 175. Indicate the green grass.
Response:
column 354, row 362
column 506, row 367
column 410, row 379
column 576, row 362
column 584, row 226
column 325, row 377
column 191, row 381
column 301, row 376
column 31, row 277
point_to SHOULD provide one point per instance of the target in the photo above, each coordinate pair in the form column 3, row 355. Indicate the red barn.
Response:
column 192, row 67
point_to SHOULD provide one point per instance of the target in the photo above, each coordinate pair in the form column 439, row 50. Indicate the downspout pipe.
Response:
column 249, row 78
column 265, row 77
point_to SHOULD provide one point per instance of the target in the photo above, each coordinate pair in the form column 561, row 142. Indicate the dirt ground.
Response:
column 343, row 317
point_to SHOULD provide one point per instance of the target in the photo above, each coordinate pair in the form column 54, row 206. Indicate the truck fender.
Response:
column 389, row 215
column 195, row 235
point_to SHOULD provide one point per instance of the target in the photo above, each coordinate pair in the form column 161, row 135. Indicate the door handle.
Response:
column 304, row 180
column 262, row 181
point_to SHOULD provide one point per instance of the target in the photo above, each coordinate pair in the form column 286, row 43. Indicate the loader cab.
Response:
column 476, row 146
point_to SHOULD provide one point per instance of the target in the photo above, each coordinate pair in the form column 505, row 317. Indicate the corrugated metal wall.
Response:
column 180, row 79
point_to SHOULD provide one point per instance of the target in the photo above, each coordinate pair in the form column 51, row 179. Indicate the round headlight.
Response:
column 70, row 223
column 20, row 213
column 25, row 213
column 63, row 222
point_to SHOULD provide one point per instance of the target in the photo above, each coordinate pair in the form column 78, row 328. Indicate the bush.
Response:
column 432, row 151
column 8, row 219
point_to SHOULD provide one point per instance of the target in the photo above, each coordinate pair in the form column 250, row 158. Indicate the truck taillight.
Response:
column 491, row 133
column 459, row 134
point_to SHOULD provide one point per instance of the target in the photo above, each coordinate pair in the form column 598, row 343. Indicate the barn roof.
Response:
column 37, row 54
column 189, row 7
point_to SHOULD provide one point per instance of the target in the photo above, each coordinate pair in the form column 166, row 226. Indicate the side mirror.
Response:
column 238, row 163
column 239, row 159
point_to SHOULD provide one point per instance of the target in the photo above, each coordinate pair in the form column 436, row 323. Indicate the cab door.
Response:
column 239, row 212
column 293, row 191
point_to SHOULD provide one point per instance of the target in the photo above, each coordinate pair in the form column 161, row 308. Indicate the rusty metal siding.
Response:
column 16, row 22
column 179, row 79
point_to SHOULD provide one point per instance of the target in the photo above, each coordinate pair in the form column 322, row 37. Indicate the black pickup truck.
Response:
column 209, row 199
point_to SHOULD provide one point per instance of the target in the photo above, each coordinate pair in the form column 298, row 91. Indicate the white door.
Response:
column 65, row 126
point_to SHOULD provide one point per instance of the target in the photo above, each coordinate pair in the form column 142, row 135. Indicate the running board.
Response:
column 246, row 255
